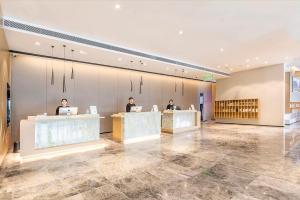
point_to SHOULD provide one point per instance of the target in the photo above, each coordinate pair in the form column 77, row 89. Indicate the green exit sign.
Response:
column 208, row 77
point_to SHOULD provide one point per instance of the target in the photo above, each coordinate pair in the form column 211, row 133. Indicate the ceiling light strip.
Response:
column 105, row 65
column 10, row 24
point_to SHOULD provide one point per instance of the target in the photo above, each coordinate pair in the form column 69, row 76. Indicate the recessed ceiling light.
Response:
column 120, row 59
column 247, row 66
column 266, row 62
column 82, row 52
column 218, row 66
column 117, row 6
column 37, row 43
column 231, row 69
column 256, row 58
column 247, row 60
column 221, row 49
column 145, row 64
column 180, row 32
column 226, row 65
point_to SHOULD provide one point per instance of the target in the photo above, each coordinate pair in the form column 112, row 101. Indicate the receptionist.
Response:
column 130, row 104
column 171, row 105
column 64, row 104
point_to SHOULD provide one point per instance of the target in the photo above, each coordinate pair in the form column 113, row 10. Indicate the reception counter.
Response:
column 41, row 134
column 174, row 121
column 132, row 127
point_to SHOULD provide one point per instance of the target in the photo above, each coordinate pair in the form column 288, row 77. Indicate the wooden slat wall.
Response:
column 5, row 135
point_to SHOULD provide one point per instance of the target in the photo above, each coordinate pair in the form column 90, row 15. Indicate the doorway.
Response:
column 201, row 100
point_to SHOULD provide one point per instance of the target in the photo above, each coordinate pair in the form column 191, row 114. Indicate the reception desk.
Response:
column 133, row 127
column 174, row 121
column 41, row 134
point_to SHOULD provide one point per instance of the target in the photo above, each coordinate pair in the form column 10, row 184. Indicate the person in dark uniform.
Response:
column 64, row 104
column 130, row 104
column 171, row 105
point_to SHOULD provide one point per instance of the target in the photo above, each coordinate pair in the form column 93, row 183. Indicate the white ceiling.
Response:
column 252, row 33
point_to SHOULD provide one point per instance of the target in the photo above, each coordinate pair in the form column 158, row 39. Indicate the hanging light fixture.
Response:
column 131, row 86
column 141, row 83
column 182, row 84
column 64, row 77
column 72, row 73
column 52, row 71
column 175, row 81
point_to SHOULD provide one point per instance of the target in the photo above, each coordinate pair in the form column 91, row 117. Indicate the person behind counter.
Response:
column 130, row 104
column 171, row 105
column 64, row 104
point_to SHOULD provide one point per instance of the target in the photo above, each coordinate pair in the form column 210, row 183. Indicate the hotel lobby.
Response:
column 154, row 100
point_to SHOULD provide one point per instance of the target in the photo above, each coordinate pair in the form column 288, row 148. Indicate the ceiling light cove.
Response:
column 221, row 50
column 180, row 32
column 37, row 43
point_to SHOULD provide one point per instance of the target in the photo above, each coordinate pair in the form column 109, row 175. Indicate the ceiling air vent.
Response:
column 20, row 26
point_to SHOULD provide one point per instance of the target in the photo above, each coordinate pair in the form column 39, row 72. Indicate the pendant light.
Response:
column 182, row 84
column 52, row 71
column 175, row 81
column 64, row 77
column 131, row 86
column 141, row 83
column 72, row 73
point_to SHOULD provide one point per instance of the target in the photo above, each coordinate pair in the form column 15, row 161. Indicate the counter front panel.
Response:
column 39, row 133
column 61, row 130
column 131, row 126
column 178, row 121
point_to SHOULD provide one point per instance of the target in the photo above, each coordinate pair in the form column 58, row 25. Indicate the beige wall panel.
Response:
column 108, row 96
column 154, row 90
column 85, row 87
column 123, row 89
column 267, row 84
column 28, row 89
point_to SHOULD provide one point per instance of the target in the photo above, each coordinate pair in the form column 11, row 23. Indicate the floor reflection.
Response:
column 218, row 162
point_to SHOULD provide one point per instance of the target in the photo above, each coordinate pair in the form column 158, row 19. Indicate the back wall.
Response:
column 107, row 88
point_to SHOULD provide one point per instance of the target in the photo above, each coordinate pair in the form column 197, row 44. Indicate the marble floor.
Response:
column 218, row 162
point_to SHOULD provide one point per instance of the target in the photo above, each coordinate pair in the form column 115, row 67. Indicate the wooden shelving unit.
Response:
column 236, row 109
column 294, row 106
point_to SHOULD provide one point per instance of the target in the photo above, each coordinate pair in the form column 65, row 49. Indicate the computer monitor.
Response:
column 154, row 108
column 68, row 111
column 192, row 107
column 136, row 108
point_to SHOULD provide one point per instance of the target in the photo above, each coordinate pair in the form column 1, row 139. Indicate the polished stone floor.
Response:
column 219, row 162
